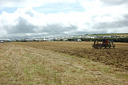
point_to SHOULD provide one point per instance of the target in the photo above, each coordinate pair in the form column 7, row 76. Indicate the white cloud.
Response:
column 31, row 3
column 28, row 22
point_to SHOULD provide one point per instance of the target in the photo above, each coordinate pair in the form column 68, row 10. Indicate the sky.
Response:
column 53, row 18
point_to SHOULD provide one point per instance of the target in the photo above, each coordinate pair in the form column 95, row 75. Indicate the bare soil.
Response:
column 49, row 63
column 117, row 57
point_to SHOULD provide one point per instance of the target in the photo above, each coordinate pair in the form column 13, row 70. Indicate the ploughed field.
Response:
column 117, row 57
column 62, row 63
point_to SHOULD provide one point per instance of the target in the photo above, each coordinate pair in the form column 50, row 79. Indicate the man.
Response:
column 107, row 41
column 104, row 41
column 95, row 42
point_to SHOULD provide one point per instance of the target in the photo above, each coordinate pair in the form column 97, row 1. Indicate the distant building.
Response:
column 106, row 36
column 115, row 36
column 1, row 41
column 79, row 40
column 5, row 40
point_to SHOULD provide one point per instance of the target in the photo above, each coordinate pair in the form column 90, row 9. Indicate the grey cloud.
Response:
column 114, row 2
column 81, row 32
column 25, row 29
column 126, row 16
column 111, row 25
column 21, row 36
column 21, row 27
column 29, row 13
column 56, row 29
column 94, row 31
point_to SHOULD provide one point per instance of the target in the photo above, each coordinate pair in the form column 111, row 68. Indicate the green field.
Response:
column 109, row 34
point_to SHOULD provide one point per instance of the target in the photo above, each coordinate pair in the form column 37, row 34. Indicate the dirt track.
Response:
column 22, row 64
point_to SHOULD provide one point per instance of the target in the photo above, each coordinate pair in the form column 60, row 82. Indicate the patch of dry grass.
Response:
column 21, row 64
column 117, row 57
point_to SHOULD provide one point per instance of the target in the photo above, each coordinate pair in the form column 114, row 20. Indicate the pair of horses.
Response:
column 105, row 44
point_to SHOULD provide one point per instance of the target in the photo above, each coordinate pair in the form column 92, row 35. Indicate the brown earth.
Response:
column 117, row 57
column 49, row 63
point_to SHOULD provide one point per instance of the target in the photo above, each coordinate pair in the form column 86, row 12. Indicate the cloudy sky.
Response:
column 51, row 18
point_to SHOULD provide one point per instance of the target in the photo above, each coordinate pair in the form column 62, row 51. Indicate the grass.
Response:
column 117, row 57
column 110, row 34
column 33, row 64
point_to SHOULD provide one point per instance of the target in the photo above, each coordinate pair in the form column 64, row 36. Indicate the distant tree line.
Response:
column 85, row 39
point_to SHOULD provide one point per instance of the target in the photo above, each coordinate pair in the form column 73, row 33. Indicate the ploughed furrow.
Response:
column 117, row 57
column 23, row 65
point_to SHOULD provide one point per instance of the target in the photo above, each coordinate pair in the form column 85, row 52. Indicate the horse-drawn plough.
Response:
column 103, row 44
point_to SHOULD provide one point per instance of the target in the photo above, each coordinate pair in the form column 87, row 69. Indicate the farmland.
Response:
column 117, row 57
column 110, row 34
column 62, row 63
